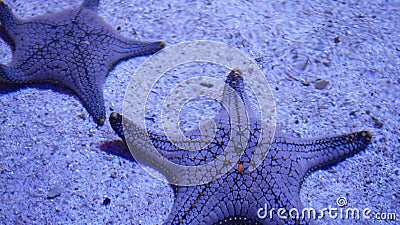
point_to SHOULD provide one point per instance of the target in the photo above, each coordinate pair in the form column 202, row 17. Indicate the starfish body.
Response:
column 241, row 196
column 74, row 48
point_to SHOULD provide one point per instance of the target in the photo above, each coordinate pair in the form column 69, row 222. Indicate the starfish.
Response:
column 241, row 196
column 73, row 48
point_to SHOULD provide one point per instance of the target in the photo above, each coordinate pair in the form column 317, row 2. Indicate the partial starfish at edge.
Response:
column 74, row 48
column 237, row 196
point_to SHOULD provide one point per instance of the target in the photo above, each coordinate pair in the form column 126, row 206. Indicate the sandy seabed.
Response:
column 49, row 145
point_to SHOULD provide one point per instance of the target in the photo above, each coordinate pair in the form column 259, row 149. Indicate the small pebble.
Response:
column 305, row 83
column 378, row 124
column 209, row 85
column 113, row 175
column 54, row 192
column 109, row 158
column 106, row 201
column 326, row 63
column 321, row 84
column 336, row 40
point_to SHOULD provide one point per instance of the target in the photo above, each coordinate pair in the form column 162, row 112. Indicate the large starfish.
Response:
column 74, row 48
column 241, row 196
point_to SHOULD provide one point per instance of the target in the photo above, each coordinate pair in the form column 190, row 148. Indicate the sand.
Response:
column 58, row 167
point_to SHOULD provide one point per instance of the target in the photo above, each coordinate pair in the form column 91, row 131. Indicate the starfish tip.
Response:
column 114, row 115
column 101, row 122
column 162, row 43
column 237, row 71
column 367, row 135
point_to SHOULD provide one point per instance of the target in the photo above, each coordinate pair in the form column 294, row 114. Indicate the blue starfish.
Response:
column 242, row 196
column 74, row 48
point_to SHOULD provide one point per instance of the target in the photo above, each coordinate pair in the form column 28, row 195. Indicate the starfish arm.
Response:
column 320, row 153
column 91, row 4
column 7, row 18
column 94, row 103
column 116, row 124
column 89, row 88
column 164, row 145
column 125, row 48
column 141, row 146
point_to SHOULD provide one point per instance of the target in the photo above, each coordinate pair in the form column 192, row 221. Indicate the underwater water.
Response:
column 333, row 67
